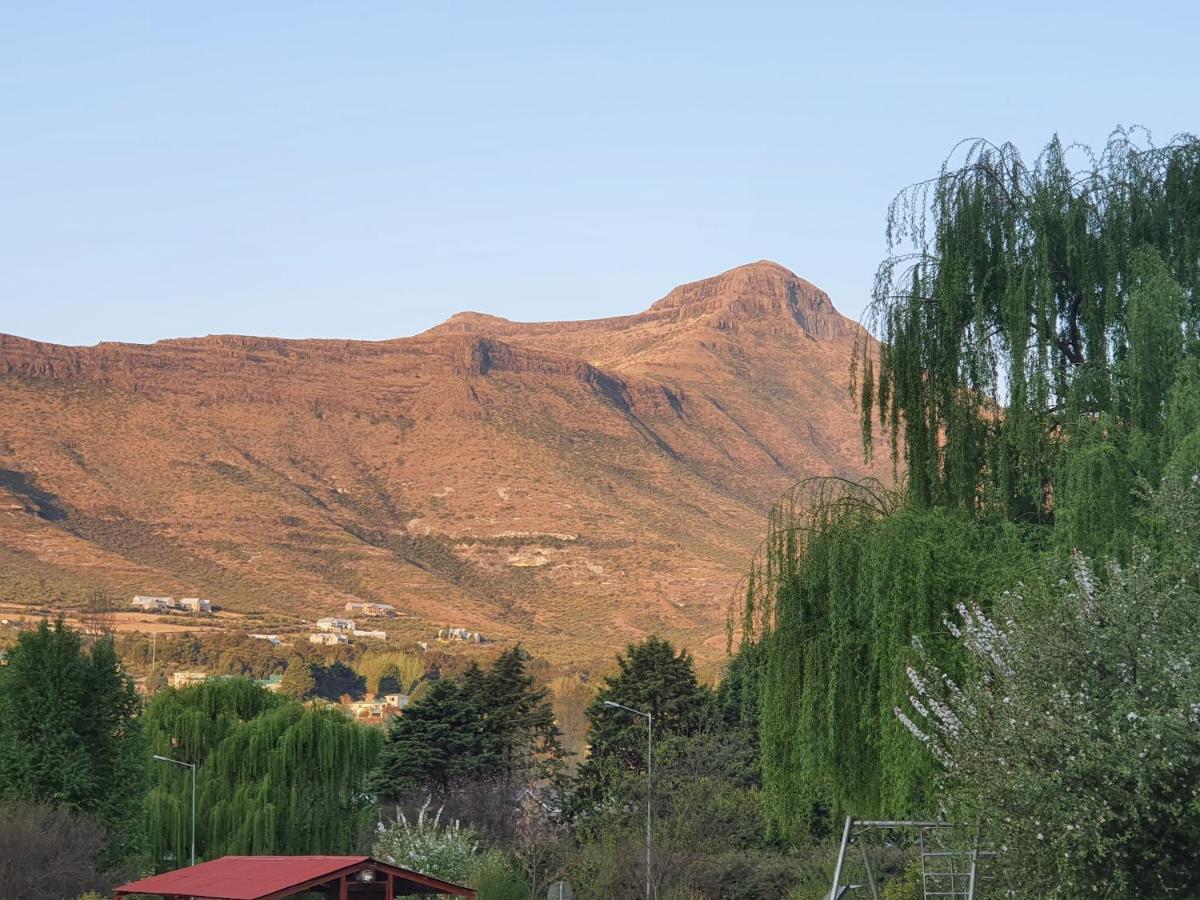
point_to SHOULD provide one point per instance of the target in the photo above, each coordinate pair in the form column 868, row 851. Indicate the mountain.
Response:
column 575, row 485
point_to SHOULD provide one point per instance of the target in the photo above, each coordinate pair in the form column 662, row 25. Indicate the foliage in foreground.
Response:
column 1063, row 296
column 1075, row 740
column 50, row 853
column 427, row 845
column 851, row 573
column 69, row 735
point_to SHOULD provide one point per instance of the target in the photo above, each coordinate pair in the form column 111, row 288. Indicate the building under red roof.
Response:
column 271, row 877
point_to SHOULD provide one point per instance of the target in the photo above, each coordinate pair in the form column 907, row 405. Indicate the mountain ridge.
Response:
column 327, row 470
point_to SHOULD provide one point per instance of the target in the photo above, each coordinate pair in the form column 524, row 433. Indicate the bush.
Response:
column 1077, row 740
column 49, row 853
column 425, row 845
column 496, row 879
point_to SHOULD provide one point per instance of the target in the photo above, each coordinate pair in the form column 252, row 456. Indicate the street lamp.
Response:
column 649, row 771
column 191, row 766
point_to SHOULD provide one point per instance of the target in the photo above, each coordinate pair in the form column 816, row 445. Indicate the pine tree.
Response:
column 491, row 724
column 439, row 738
column 69, row 734
column 298, row 681
column 519, row 726
column 651, row 677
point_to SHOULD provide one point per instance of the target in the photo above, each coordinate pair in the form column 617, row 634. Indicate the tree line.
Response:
column 991, row 635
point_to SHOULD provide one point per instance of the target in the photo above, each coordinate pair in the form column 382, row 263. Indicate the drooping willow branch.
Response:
column 1002, row 309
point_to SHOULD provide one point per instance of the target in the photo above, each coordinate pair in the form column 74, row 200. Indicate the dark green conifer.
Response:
column 69, row 733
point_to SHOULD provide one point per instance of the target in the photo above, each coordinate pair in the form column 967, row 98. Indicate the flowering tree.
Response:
column 424, row 844
column 1075, row 742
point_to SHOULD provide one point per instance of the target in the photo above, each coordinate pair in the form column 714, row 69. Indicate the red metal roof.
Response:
column 261, row 877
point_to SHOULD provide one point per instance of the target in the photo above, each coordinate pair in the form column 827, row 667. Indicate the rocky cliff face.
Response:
column 575, row 485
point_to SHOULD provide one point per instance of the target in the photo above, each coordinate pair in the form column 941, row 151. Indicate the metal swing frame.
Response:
column 934, row 884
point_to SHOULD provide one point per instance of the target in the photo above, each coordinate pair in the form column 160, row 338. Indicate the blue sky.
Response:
column 367, row 169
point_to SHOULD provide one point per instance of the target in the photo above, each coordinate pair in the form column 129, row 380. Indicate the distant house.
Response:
column 186, row 679
column 377, row 635
column 375, row 711
column 461, row 634
column 195, row 604
column 272, row 638
column 155, row 604
column 330, row 623
column 330, row 638
column 400, row 701
column 371, row 609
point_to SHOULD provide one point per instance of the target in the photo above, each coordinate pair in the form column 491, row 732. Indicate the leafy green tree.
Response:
column 390, row 672
column 298, row 680
column 1075, row 740
column 273, row 775
column 1052, row 294
column 850, row 574
column 69, row 734
column 337, row 680
column 1036, row 368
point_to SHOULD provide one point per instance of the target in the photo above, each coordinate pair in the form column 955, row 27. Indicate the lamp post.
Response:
column 191, row 766
column 649, row 717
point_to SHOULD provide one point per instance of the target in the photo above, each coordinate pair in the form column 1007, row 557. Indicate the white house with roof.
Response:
column 331, row 623
column 195, row 604
column 371, row 609
column 186, row 679
column 328, row 638
column 154, row 604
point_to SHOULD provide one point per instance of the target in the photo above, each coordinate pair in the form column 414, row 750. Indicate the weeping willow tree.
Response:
column 1023, row 300
column 848, row 574
column 273, row 775
column 1038, row 364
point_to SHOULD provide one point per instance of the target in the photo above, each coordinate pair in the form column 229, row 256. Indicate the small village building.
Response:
column 371, row 609
column 461, row 634
column 276, row 877
column 195, row 604
column 186, row 679
column 328, row 638
column 375, row 712
column 154, row 604
column 400, row 701
column 331, row 623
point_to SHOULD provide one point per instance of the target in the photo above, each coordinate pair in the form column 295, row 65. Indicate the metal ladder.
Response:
column 951, row 874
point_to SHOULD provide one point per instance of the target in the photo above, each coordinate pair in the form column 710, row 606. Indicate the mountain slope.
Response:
column 573, row 484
